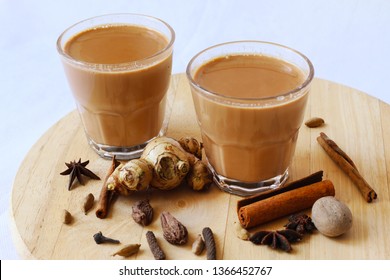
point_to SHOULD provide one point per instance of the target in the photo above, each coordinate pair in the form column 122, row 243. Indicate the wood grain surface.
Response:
column 356, row 121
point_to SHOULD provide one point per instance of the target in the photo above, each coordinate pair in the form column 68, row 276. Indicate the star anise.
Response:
column 78, row 170
column 301, row 223
column 279, row 239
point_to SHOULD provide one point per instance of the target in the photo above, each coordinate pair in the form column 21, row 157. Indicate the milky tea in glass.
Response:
column 250, row 99
column 118, row 68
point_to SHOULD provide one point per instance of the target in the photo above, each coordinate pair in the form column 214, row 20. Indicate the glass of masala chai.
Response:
column 118, row 67
column 249, row 98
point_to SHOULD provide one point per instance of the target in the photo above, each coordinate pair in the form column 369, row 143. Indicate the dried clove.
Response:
column 88, row 202
column 156, row 250
column 142, row 212
column 66, row 217
column 198, row 245
column 128, row 250
column 173, row 231
column 100, row 238
column 209, row 241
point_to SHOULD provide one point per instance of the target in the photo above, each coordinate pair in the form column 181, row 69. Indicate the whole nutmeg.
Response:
column 331, row 216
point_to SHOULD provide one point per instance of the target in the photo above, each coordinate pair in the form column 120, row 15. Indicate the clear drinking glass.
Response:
column 250, row 142
column 122, row 105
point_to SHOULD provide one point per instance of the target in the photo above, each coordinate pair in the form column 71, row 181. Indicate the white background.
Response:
column 348, row 42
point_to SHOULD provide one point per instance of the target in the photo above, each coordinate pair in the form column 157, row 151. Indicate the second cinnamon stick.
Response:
column 106, row 195
column 283, row 204
column 347, row 166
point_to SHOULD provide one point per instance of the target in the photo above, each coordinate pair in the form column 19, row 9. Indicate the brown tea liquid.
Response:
column 249, row 143
column 125, row 106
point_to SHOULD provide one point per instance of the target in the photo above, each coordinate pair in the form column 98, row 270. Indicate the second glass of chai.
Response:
column 250, row 98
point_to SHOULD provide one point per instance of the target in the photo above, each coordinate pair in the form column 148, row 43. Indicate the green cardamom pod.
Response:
column 128, row 250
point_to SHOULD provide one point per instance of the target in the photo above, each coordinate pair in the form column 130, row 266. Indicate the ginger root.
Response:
column 191, row 145
column 135, row 175
column 164, row 164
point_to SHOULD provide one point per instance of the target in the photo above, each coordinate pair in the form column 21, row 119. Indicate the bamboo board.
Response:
column 356, row 121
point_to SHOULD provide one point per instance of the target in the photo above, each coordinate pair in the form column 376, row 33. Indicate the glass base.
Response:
column 248, row 188
column 120, row 153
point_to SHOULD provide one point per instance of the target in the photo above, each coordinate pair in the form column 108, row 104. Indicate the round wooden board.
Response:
column 356, row 121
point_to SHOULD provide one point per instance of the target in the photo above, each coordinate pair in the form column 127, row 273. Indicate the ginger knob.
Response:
column 164, row 164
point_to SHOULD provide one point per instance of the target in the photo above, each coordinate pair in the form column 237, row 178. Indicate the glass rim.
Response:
column 121, row 65
column 210, row 93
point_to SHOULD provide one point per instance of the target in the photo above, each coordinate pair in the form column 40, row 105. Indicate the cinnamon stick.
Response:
column 308, row 180
column 106, row 195
column 347, row 165
column 283, row 204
